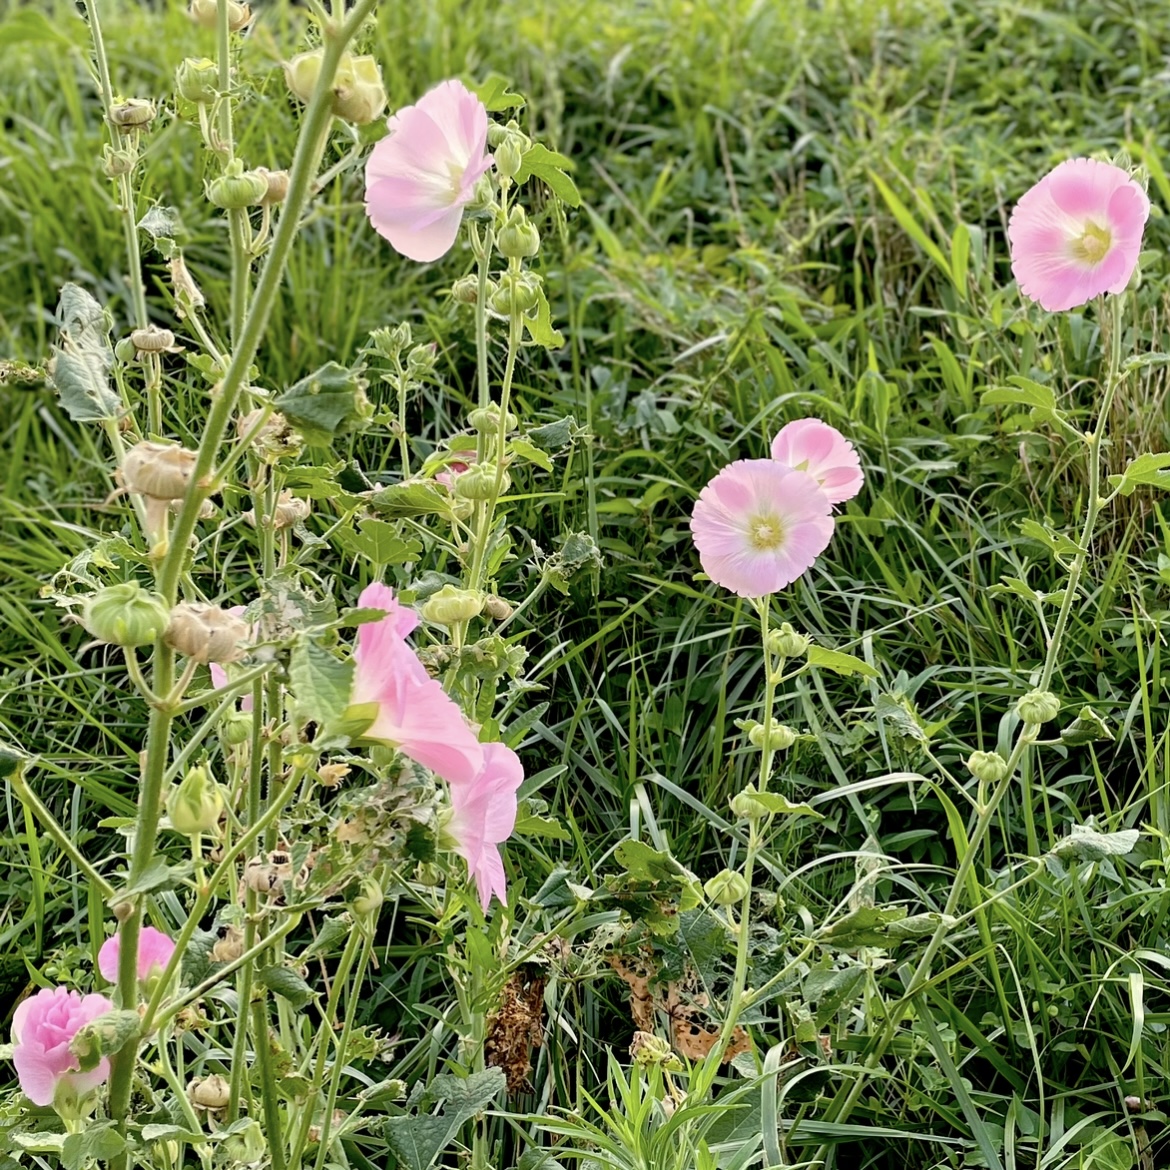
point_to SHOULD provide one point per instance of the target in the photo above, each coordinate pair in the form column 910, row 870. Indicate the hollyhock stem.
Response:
column 1024, row 739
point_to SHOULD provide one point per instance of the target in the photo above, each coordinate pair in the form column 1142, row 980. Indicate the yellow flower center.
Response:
column 765, row 533
column 1093, row 244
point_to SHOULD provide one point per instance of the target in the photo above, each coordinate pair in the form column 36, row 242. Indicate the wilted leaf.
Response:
column 1086, row 728
column 79, row 369
column 1087, row 843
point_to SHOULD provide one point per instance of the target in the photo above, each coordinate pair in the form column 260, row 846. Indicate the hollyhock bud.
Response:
column 517, row 238
column 497, row 608
column 152, row 339
column 1038, row 706
column 196, row 803
column 203, row 12
column 746, row 806
column 358, row 94
column 509, row 159
column 118, row 162
column 43, row 1027
column 206, row 633
column 787, row 643
column 154, row 953
column 368, row 900
column 465, row 290
column 517, row 292
column 125, row 615
column 479, row 482
column 726, row 888
column 486, row 420
column 236, row 728
column 780, row 739
column 989, row 767
column 237, row 188
column 133, row 114
column 161, row 470
column 244, row 1145
column 210, row 1092
column 421, row 359
column 197, row 80
column 277, row 186
column 450, row 605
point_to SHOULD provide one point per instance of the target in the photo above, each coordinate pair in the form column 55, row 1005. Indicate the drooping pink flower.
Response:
column 154, row 953
column 42, row 1027
column 422, row 174
column 1077, row 233
column 414, row 714
column 483, row 816
column 813, row 446
column 759, row 524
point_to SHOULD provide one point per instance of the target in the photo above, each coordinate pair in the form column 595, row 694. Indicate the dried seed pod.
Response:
column 206, row 633
column 229, row 946
column 210, row 1092
column 153, row 339
column 161, row 470
column 290, row 510
column 331, row 775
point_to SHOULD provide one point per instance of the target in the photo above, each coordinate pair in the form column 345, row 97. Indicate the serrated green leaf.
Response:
column 328, row 402
column 413, row 498
column 1150, row 470
column 1055, row 542
column 417, row 1140
column 554, row 435
column 550, row 168
column 534, row 826
column 321, row 683
column 525, row 450
column 493, row 91
column 380, row 542
column 779, row 805
column 96, row 1143
column 286, row 983
column 839, row 662
column 539, row 324
column 1038, row 398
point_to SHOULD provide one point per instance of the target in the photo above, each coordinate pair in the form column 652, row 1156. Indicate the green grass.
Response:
column 776, row 202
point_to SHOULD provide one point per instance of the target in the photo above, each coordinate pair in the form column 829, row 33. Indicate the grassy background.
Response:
column 776, row 199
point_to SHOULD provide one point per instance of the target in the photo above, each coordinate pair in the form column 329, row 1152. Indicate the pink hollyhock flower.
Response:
column 813, row 446
column 1077, row 234
column 455, row 468
column 759, row 524
column 154, row 953
column 42, row 1027
column 414, row 713
column 483, row 815
column 422, row 174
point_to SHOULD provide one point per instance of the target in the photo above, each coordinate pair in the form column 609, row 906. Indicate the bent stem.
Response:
column 1026, row 736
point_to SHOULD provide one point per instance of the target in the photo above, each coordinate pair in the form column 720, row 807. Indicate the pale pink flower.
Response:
column 42, row 1027
column 422, row 174
column 415, row 714
column 455, row 468
column 813, row 446
column 154, row 953
column 759, row 524
column 1077, row 233
column 483, row 816
column 219, row 676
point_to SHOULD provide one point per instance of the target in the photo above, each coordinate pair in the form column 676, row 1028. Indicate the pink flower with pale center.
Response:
column 483, row 817
column 1077, row 234
column 415, row 714
column 813, row 446
column 423, row 173
column 154, row 953
column 42, row 1027
column 455, row 468
column 759, row 524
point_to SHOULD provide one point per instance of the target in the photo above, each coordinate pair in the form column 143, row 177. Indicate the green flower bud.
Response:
column 368, row 900
column 389, row 343
column 1038, row 706
column 358, row 95
column 196, row 803
column 518, row 238
column 990, row 767
column 781, row 737
column 126, row 615
column 465, row 291
column 117, row 162
column 237, row 188
column 787, row 643
column 478, row 482
column 726, row 888
column 421, row 359
column 236, row 728
column 197, row 80
column 517, row 292
column 450, row 605
column 509, row 158
column 124, row 350
column 244, row 1146
column 203, row 12
column 745, row 805
column 486, row 420
column 133, row 114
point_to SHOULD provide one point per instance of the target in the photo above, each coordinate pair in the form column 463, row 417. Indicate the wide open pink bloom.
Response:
column 42, row 1027
column 421, row 175
column 813, row 446
column 415, row 714
column 1077, row 234
column 154, row 953
column 483, row 817
column 759, row 524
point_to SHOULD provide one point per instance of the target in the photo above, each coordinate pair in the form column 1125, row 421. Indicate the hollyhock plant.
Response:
column 813, row 446
column 411, row 711
column 483, row 815
column 42, row 1028
column 423, row 173
column 758, row 525
column 219, row 676
column 1077, row 234
column 154, row 953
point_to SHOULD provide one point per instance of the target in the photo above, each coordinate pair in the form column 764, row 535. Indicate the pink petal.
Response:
column 38, row 1081
column 812, row 445
column 108, row 959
